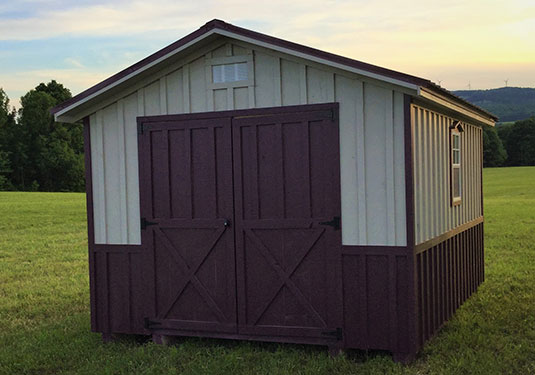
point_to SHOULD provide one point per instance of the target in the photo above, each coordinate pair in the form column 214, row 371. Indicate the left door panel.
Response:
column 187, row 209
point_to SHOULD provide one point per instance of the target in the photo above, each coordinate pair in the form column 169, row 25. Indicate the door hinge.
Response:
column 335, row 223
column 334, row 114
column 147, row 323
column 145, row 223
column 337, row 333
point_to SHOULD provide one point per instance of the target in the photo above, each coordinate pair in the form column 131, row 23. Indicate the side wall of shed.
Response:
column 371, row 136
column 434, row 213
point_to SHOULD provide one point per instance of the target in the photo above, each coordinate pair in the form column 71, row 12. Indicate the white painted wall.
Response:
column 434, row 213
column 371, row 136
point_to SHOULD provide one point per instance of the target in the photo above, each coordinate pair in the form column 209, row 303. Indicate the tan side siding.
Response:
column 434, row 214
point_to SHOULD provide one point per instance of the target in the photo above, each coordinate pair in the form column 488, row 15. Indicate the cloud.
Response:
column 439, row 39
column 73, row 62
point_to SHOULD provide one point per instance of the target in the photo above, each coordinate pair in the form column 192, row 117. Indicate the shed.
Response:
column 242, row 186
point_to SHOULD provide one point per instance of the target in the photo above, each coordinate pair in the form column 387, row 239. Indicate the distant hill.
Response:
column 508, row 103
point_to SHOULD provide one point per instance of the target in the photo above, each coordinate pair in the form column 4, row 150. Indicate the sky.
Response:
column 477, row 44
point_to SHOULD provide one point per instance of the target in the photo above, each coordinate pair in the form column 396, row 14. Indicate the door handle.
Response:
column 226, row 223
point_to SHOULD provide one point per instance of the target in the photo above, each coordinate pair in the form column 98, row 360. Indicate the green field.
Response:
column 44, row 303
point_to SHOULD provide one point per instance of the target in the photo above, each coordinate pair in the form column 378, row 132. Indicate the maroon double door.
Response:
column 241, row 223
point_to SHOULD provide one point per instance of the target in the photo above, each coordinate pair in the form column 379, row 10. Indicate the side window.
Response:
column 456, row 162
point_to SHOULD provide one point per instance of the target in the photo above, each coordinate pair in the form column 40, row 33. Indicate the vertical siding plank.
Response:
column 303, row 83
column 421, row 175
column 346, row 95
column 436, row 182
column 186, row 90
column 197, row 85
column 375, row 115
column 97, row 162
column 267, row 80
column 363, row 298
column 291, row 82
column 175, row 93
column 132, row 173
column 111, row 170
column 208, row 79
column 121, row 152
column 252, row 87
column 277, row 82
column 230, row 98
column 187, row 172
column 163, row 96
column 392, row 294
column 399, row 171
column 152, row 98
column 389, row 170
column 361, row 163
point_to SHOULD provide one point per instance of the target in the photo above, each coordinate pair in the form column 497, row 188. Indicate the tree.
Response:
column 494, row 154
column 52, row 153
column 7, row 128
column 520, row 142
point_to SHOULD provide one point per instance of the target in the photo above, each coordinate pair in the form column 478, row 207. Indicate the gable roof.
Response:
column 424, row 87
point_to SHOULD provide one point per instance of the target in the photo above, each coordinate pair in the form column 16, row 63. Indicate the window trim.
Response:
column 229, row 60
column 455, row 131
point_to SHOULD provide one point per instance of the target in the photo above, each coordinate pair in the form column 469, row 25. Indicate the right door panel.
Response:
column 287, row 212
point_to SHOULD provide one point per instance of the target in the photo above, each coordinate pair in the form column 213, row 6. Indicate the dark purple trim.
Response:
column 218, row 24
column 444, row 236
column 410, row 224
column 409, row 173
column 378, row 250
column 240, row 112
column 90, row 221
column 122, row 249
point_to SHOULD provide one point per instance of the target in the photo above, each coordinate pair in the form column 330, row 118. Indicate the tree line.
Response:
column 509, row 145
column 36, row 153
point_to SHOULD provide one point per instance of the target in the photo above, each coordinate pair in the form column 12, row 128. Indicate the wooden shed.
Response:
column 246, row 187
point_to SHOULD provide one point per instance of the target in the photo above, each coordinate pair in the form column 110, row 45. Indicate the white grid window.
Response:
column 455, row 167
column 230, row 72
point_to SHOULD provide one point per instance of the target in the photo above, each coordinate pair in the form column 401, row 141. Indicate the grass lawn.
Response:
column 44, row 303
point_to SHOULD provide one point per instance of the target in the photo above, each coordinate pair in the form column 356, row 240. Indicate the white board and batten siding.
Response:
column 371, row 137
column 434, row 213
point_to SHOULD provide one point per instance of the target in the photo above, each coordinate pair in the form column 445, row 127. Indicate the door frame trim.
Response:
column 239, row 112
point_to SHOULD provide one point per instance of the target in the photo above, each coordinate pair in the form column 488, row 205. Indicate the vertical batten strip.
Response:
column 121, row 151
column 389, row 170
column 277, row 82
column 185, row 88
column 440, row 187
column 430, row 201
column 99, row 182
column 303, row 83
column 422, row 175
column 400, row 198
column 163, row 95
column 436, row 181
column 252, row 87
column 361, row 163
column 210, row 106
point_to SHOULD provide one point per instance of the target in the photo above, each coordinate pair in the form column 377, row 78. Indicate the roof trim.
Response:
column 220, row 27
